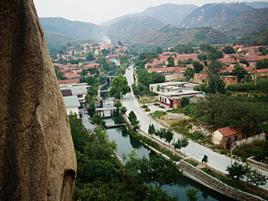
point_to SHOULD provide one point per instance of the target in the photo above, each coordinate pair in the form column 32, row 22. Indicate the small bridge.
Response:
column 114, row 126
column 104, row 91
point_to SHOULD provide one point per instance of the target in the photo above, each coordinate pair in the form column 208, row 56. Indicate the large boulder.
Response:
column 37, row 158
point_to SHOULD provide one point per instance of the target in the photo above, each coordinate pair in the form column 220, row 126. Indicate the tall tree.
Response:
column 240, row 72
column 198, row 67
column 228, row 50
column 133, row 120
column 119, row 87
column 171, row 62
column 90, row 57
column 215, row 85
column 188, row 74
column 151, row 129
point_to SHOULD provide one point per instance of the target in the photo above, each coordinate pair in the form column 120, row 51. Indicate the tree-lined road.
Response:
column 215, row 160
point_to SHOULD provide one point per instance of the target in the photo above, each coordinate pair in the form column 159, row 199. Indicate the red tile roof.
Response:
column 168, row 53
column 228, row 132
column 186, row 57
column 154, row 63
column 70, row 81
column 168, row 70
column 264, row 70
column 255, row 57
column 228, row 69
column 201, row 76
column 94, row 65
column 228, row 59
column 71, row 75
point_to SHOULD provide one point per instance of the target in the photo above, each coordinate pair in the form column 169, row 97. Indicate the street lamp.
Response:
column 233, row 147
column 254, row 77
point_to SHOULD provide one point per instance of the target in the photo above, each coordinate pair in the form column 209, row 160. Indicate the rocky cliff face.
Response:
column 37, row 158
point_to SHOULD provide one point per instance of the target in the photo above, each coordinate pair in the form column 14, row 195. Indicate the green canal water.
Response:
column 126, row 144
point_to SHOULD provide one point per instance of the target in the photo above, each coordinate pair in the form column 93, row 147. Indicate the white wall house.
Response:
column 171, row 93
column 72, row 105
column 216, row 137
column 226, row 137
column 107, row 108
column 80, row 90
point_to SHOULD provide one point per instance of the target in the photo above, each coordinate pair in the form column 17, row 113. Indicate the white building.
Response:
column 107, row 108
column 72, row 105
column 171, row 93
column 167, row 87
column 226, row 137
column 80, row 90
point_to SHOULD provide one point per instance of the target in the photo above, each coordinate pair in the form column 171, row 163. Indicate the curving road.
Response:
column 195, row 150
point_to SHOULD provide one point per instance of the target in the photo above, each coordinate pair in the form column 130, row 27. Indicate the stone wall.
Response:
column 258, row 164
column 215, row 184
column 37, row 158
column 261, row 137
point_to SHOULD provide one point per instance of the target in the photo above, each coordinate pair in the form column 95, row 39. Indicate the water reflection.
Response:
column 126, row 144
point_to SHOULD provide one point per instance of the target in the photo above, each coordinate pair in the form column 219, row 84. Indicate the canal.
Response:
column 126, row 144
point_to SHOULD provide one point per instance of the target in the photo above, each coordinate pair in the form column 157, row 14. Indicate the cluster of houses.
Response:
column 72, row 72
column 244, row 56
column 174, row 89
column 74, row 93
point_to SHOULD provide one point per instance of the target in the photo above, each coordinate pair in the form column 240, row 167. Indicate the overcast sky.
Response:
column 98, row 11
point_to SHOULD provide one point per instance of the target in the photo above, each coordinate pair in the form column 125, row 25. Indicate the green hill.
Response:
column 247, row 23
column 215, row 15
column 130, row 28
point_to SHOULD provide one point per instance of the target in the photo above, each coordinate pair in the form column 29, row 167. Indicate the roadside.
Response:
column 216, row 161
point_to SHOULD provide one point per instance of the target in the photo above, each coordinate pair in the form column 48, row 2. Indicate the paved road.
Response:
column 85, row 121
column 195, row 150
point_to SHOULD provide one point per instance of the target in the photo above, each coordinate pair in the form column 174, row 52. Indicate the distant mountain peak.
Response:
column 167, row 13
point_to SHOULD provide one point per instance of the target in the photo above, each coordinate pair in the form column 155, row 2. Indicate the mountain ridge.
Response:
column 228, row 21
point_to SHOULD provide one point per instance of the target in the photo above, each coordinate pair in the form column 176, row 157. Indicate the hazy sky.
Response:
column 98, row 11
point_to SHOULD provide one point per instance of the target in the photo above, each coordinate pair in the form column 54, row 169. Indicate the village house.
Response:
column 71, row 105
column 200, row 78
column 71, row 75
column 186, row 57
column 171, row 93
column 155, row 63
column 70, row 81
column 170, row 73
column 106, row 107
column 229, row 59
column 162, row 59
column 226, row 137
column 91, row 65
column 261, row 73
column 230, row 80
column 80, row 90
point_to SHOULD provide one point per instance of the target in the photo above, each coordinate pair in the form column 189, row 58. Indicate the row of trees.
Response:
column 240, row 171
column 220, row 111
column 134, row 121
column 168, row 135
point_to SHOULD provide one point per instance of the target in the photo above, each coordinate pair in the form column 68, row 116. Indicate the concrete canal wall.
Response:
column 203, row 178
column 211, row 182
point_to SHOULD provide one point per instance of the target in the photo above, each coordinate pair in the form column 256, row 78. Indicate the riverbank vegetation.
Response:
column 100, row 175
column 241, row 185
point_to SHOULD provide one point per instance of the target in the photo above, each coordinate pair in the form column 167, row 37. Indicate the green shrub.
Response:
column 258, row 148
column 158, row 114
